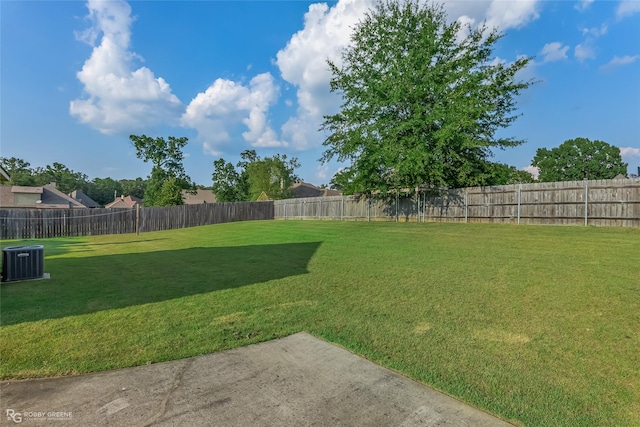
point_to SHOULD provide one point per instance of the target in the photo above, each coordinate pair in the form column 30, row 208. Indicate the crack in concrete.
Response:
column 174, row 386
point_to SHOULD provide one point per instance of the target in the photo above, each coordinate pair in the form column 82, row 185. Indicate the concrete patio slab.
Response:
column 294, row 381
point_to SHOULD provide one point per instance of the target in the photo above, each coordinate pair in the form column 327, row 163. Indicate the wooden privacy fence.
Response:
column 43, row 223
column 596, row 202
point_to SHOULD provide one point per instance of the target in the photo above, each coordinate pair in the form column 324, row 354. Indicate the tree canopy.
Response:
column 20, row 172
column 104, row 190
column 168, row 177
column 502, row 174
column 133, row 187
column 423, row 100
column 578, row 159
column 228, row 184
column 274, row 175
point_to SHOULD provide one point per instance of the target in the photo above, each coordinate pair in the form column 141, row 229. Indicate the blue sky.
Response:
column 77, row 78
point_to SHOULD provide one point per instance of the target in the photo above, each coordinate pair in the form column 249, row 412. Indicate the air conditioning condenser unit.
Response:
column 22, row 263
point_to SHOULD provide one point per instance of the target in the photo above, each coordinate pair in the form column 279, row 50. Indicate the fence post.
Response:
column 424, row 207
column 519, row 188
column 397, row 205
column 320, row 211
column 368, row 209
column 342, row 209
column 586, row 201
column 284, row 205
column 137, row 219
column 466, row 207
column 301, row 209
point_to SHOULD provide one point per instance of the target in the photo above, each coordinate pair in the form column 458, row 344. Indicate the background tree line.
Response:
column 165, row 185
column 102, row 190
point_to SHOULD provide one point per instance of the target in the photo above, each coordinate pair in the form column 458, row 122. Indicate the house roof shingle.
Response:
column 304, row 189
column 28, row 190
column 201, row 196
column 53, row 196
column 124, row 202
column 50, row 197
column 84, row 199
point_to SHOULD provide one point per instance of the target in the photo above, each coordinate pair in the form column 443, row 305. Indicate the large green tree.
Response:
column 343, row 180
column 423, row 100
column 228, row 183
column 169, row 193
column 578, row 159
column 168, row 177
column 274, row 175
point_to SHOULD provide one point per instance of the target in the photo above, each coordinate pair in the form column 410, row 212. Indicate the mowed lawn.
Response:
column 539, row 325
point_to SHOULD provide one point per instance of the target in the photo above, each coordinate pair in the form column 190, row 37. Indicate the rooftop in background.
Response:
column 200, row 197
column 304, row 189
column 84, row 199
column 45, row 197
column 4, row 176
column 124, row 202
column 25, row 189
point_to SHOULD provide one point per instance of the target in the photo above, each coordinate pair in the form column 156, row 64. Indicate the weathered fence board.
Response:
column 596, row 202
column 44, row 223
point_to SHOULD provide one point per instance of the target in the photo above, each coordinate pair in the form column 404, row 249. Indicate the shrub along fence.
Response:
column 19, row 223
column 595, row 202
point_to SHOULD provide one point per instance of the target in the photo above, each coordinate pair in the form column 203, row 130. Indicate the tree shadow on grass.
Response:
column 89, row 284
column 61, row 246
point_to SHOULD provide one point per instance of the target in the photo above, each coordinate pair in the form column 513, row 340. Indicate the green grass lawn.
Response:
column 539, row 325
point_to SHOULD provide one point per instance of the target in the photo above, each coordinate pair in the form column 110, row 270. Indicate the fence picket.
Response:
column 19, row 223
column 597, row 202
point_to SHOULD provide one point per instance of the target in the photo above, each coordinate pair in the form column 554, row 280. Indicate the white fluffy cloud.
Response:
column 533, row 170
column 497, row 13
column 225, row 104
column 511, row 14
column 629, row 152
column 303, row 63
column 583, row 5
column 618, row 61
column 554, row 52
column 595, row 31
column 119, row 98
column 584, row 51
column 627, row 8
